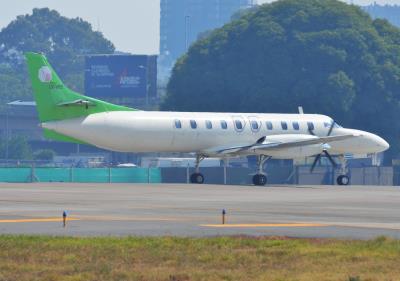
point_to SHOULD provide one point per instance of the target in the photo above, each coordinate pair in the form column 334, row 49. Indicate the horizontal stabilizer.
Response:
column 79, row 102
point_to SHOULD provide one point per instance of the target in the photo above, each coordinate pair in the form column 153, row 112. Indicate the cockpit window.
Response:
column 335, row 125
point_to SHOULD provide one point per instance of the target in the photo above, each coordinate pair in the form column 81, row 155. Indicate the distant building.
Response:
column 121, row 78
column 182, row 21
column 389, row 12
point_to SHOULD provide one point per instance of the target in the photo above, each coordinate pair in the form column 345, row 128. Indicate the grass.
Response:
column 180, row 259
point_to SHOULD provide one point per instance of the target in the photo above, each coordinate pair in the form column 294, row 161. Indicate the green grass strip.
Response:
column 220, row 258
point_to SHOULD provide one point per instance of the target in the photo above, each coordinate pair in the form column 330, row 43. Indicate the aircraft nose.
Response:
column 384, row 144
column 380, row 143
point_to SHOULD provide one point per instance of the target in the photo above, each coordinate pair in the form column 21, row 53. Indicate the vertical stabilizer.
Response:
column 54, row 100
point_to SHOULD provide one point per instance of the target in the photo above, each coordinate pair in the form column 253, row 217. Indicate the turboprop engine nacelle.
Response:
column 298, row 151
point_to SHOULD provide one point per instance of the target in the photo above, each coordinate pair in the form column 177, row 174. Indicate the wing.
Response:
column 265, row 145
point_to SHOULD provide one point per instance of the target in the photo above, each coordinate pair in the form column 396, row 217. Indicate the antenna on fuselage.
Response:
column 301, row 111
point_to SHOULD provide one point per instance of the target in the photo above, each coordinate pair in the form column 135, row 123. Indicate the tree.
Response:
column 16, row 148
column 64, row 41
column 12, row 86
column 44, row 154
column 325, row 55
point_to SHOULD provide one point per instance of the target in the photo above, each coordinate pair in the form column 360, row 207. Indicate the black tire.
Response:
column 197, row 178
column 260, row 179
column 343, row 180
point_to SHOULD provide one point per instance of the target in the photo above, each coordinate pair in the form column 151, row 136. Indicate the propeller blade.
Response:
column 315, row 162
column 331, row 128
column 330, row 158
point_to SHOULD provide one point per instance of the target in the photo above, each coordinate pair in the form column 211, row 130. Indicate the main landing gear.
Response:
column 260, row 178
column 197, row 177
column 343, row 179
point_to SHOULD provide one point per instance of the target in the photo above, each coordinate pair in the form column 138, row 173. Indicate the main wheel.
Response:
column 259, row 179
column 343, row 180
column 197, row 178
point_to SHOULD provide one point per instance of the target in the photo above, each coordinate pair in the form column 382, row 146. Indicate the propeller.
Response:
column 324, row 152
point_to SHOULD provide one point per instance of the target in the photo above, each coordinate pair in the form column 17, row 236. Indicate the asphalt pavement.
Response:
column 356, row 212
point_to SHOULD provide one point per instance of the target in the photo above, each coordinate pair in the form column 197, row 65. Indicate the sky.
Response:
column 132, row 25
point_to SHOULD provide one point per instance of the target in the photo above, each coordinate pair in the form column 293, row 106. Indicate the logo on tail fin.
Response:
column 45, row 74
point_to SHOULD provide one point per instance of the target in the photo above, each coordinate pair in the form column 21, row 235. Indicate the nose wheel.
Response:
column 343, row 180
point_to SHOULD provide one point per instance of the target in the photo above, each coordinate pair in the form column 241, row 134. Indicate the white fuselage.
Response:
column 152, row 131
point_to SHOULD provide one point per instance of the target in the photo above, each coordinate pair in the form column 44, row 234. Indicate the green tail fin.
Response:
column 54, row 100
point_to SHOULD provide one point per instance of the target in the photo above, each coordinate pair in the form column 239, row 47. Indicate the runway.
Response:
column 356, row 212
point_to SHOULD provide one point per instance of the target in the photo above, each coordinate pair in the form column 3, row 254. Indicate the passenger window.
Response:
column 254, row 126
column 310, row 126
column 238, row 125
column 224, row 125
column 178, row 124
column 208, row 124
column 284, row 125
column 193, row 124
column 269, row 125
column 296, row 125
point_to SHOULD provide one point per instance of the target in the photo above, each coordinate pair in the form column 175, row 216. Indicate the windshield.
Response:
column 335, row 125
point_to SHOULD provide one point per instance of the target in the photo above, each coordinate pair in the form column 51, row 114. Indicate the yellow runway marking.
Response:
column 248, row 225
column 38, row 220
column 116, row 218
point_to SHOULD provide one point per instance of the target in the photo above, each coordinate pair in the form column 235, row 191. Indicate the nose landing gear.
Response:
column 197, row 178
column 259, row 179
column 343, row 179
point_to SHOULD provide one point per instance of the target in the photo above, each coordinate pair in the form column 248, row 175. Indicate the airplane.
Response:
column 68, row 116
